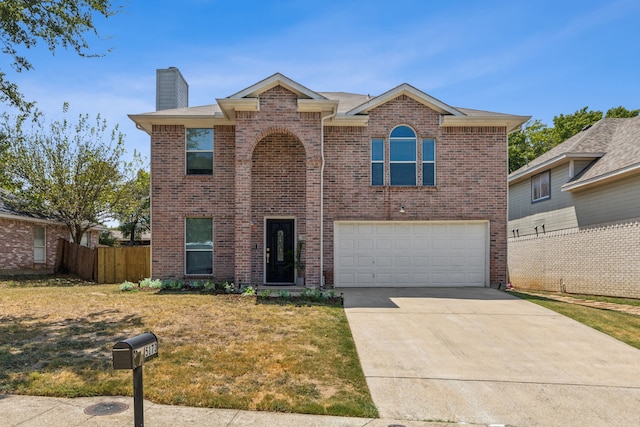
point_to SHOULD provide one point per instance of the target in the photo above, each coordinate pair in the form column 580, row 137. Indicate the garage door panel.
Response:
column 345, row 261
column 410, row 254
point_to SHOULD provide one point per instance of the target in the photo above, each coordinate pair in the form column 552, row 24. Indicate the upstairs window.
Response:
column 377, row 161
column 402, row 156
column 429, row 162
column 199, row 151
column 540, row 187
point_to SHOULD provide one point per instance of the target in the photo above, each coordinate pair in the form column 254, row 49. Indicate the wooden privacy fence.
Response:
column 104, row 265
column 115, row 265
column 75, row 259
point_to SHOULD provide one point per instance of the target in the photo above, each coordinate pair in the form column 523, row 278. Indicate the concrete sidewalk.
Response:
column 478, row 355
column 32, row 411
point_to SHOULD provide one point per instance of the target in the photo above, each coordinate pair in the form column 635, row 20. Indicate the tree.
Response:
column 564, row 127
column 107, row 238
column 58, row 23
column 621, row 113
column 134, row 214
column 533, row 140
column 68, row 171
column 536, row 138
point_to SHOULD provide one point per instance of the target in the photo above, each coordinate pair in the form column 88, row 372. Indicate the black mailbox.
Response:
column 133, row 352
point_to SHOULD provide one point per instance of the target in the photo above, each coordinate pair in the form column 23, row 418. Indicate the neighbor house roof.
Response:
column 612, row 144
column 340, row 108
column 8, row 209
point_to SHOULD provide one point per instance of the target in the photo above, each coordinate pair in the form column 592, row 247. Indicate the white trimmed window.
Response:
column 199, row 246
column 199, row 151
column 377, row 161
column 39, row 244
column 402, row 156
column 540, row 187
column 429, row 162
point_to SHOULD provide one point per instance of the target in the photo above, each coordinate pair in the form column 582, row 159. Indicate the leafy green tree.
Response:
column 134, row 214
column 73, row 172
column 564, row 127
column 536, row 138
column 533, row 140
column 107, row 238
column 58, row 23
column 621, row 113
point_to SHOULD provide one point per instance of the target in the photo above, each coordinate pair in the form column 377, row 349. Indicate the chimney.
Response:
column 172, row 90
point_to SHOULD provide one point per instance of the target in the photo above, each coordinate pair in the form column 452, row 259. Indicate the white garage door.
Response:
column 397, row 254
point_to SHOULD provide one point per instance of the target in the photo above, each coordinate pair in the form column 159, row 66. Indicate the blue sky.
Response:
column 538, row 58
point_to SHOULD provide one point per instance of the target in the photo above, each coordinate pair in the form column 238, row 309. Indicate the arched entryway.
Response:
column 278, row 207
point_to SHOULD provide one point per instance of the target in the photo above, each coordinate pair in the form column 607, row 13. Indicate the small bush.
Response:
column 196, row 284
column 248, row 290
column 172, row 284
column 228, row 287
column 127, row 286
column 150, row 283
column 283, row 294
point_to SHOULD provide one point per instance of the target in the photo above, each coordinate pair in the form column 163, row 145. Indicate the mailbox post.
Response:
column 131, row 354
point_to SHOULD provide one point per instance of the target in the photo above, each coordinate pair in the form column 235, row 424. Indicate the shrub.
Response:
column 196, row 284
column 172, row 284
column 127, row 286
column 248, row 290
column 150, row 283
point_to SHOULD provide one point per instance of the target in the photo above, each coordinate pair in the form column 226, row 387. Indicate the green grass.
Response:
column 222, row 351
column 622, row 326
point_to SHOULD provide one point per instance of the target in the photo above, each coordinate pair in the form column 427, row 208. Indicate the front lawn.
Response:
column 622, row 326
column 222, row 351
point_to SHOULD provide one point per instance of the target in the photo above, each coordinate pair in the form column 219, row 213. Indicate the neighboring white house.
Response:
column 574, row 214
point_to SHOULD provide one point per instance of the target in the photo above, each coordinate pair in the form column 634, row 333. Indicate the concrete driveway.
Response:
column 478, row 355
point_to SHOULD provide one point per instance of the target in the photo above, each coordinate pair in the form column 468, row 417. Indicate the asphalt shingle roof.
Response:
column 615, row 143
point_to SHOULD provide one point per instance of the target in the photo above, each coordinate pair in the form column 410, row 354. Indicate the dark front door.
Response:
column 279, row 251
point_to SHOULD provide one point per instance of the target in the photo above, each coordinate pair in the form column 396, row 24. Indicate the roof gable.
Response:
column 411, row 92
column 277, row 79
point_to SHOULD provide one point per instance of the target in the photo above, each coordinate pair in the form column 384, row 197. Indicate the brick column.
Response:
column 313, row 270
column 242, row 221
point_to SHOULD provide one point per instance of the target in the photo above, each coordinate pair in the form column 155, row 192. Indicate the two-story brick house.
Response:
column 399, row 189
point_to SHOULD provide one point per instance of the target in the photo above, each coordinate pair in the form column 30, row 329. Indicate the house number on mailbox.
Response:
column 151, row 349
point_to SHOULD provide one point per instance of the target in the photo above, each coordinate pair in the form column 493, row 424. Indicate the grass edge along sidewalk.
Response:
column 223, row 351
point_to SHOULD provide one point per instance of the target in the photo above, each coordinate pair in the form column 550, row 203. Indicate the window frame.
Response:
column 537, row 183
column 377, row 162
column 187, row 151
column 187, row 250
column 426, row 162
column 43, row 247
column 413, row 162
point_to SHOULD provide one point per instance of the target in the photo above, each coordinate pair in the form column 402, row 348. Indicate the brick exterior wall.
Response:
column 269, row 164
column 16, row 247
column 471, row 177
column 598, row 260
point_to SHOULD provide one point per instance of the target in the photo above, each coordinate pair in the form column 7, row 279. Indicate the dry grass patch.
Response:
column 225, row 351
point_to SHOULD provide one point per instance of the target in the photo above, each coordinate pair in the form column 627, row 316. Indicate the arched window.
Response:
column 402, row 156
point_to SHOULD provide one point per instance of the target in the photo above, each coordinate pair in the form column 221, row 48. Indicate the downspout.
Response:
column 322, row 197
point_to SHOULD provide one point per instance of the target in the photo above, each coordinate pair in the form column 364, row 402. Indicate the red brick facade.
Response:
column 17, row 246
column 269, row 164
